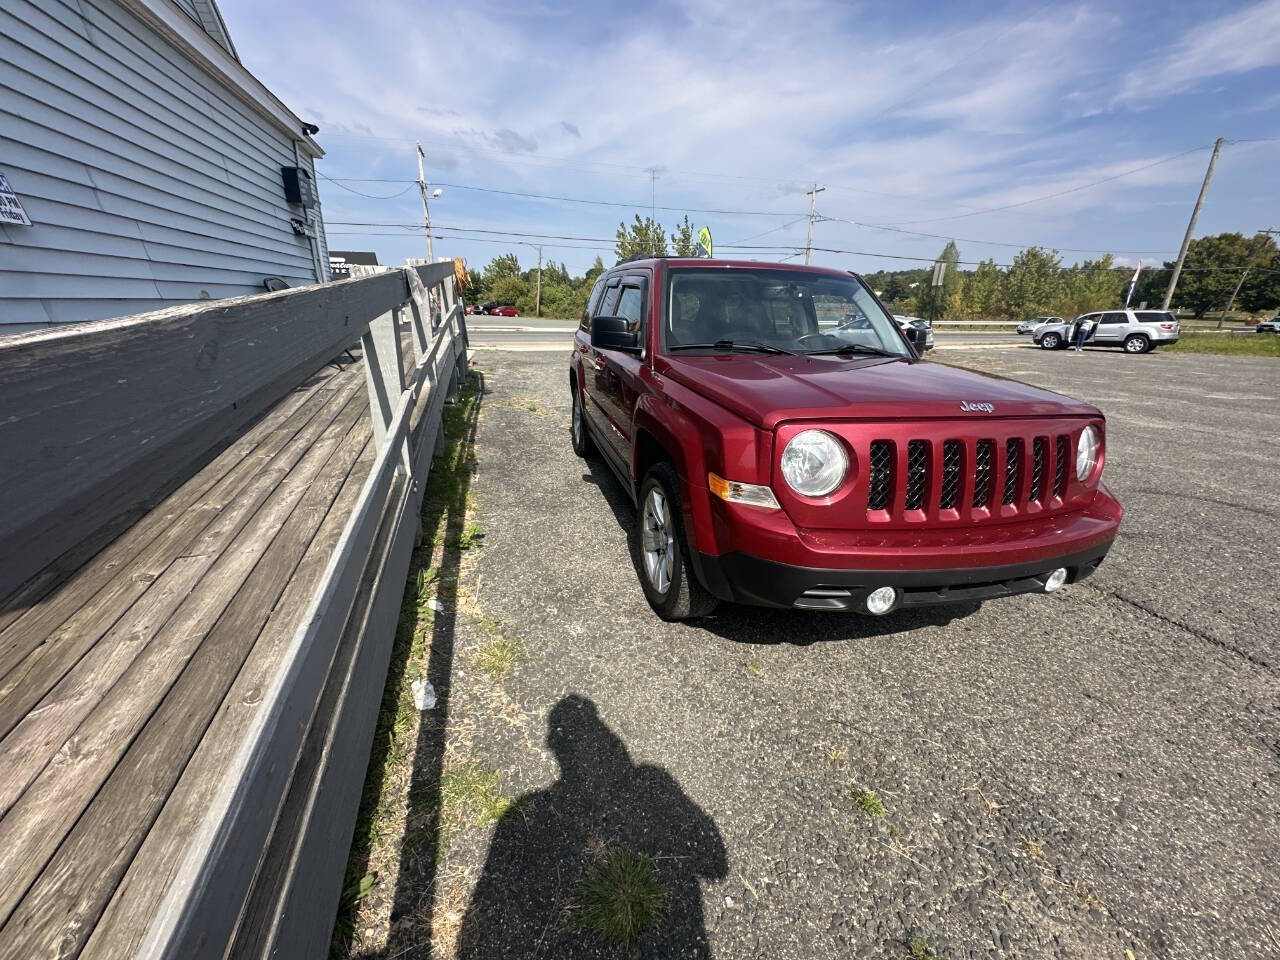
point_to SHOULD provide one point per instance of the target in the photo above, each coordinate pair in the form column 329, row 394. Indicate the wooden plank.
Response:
column 126, row 532
column 62, row 907
column 35, row 826
column 199, row 911
column 207, row 529
column 291, row 911
column 137, row 397
column 82, row 622
column 127, row 917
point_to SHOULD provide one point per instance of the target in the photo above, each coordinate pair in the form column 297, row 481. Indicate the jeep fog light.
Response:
column 1086, row 453
column 1056, row 579
column 881, row 600
column 734, row 492
column 814, row 463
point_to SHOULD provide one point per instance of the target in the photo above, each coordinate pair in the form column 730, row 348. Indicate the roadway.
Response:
column 538, row 334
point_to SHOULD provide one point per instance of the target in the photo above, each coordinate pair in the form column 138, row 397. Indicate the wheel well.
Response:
column 573, row 379
column 648, row 452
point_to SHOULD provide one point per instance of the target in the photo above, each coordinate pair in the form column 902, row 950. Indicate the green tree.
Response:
column 643, row 237
column 1092, row 285
column 501, row 268
column 982, row 291
column 1260, row 292
column 1210, row 272
column 593, row 272
column 1033, row 283
column 684, row 242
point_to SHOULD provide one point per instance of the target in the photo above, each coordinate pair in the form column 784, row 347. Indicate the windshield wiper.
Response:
column 750, row 345
column 855, row 348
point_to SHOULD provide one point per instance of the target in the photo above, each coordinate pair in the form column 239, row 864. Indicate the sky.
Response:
column 918, row 118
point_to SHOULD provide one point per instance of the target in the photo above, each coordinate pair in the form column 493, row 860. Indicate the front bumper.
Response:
column 743, row 578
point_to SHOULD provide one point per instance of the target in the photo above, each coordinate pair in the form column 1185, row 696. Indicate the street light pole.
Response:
column 813, row 209
column 426, row 211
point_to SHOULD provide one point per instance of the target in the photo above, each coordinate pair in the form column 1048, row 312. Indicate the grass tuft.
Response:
column 868, row 801
column 470, row 793
column 918, row 949
column 621, row 898
column 499, row 655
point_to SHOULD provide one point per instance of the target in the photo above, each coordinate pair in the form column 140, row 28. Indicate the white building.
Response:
column 148, row 160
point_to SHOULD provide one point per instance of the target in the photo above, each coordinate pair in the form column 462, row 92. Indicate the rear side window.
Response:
column 1154, row 316
column 631, row 306
column 1115, row 318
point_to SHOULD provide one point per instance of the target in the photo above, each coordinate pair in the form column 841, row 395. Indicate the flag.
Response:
column 1128, row 294
column 704, row 242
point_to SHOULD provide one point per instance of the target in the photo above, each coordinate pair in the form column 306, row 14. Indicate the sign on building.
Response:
column 11, row 211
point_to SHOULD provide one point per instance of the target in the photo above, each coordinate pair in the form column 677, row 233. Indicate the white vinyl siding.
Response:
column 147, row 182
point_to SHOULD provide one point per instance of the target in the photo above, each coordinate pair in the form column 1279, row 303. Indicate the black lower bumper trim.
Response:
column 743, row 578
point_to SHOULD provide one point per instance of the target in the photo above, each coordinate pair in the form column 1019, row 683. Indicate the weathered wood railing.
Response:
column 114, row 413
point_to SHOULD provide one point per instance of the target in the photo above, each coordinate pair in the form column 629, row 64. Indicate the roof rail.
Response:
column 640, row 256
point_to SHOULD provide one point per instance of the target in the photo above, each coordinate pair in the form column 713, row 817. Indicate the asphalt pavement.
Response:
column 1082, row 774
column 537, row 334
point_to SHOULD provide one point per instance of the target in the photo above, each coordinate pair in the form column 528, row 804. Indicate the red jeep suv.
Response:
column 786, row 446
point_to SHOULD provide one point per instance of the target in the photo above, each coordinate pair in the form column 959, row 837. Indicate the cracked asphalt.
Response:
column 1076, row 775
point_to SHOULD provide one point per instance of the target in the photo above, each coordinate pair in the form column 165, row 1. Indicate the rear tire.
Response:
column 1050, row 341
column 1137, row 343
column 662, row 551
column 578, row 434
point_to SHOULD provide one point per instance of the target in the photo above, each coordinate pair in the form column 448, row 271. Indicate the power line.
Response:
column 991, row 243
column 562, row 199
column 1050, row 196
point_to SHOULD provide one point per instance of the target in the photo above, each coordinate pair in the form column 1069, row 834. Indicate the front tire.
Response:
column 662, row 550
column 1050, row 341
column 578, row 434
column 1137, row 343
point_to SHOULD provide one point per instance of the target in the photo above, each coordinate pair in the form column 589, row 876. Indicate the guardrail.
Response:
column 114, row 412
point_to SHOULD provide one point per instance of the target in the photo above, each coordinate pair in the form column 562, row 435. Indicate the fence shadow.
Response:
column 557, row 868
column 443, row 521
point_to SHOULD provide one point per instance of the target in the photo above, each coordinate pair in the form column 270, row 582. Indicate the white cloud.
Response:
column 1244, row 41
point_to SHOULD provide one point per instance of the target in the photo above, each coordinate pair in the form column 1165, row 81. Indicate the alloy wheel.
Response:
column 657, row 541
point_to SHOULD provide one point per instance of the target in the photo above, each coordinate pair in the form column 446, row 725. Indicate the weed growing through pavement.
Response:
column 837, row 756
column 755, row 666
column 621, row 898
column 918, row 949
column 471, row 536
column 498, row 656
column 470, row 793
column 868, row 802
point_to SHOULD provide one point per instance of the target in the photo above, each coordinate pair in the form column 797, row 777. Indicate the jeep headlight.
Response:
column 814, row 463
column 1087, row 449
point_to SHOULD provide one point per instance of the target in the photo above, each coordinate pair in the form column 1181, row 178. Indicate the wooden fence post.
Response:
column 384, row 372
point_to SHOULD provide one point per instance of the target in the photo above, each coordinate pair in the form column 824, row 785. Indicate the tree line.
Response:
column 1035, row 283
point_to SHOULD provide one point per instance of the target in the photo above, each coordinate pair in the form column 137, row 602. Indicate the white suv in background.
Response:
column 1137, row 331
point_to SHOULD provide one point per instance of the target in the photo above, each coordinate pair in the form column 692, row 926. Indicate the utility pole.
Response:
column 1262, row 237
column 537, row 302
column 653, row 219
column 1191, row 225
column 426, row 212
column 813, row 212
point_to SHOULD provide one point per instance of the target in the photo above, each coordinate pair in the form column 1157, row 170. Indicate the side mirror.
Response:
column 915, row 336
column 614, row 333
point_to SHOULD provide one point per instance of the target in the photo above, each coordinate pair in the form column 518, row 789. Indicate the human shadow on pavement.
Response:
column 757, row 625
column 526, row 902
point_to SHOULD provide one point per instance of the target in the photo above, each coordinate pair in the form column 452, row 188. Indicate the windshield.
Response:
column 787, row 310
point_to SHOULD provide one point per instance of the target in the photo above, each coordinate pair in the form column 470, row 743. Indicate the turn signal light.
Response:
column 731, row 491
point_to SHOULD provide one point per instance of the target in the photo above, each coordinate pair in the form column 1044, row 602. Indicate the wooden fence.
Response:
column 116, row 412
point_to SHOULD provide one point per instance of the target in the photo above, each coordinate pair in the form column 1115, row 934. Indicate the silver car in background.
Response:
column 1135, row 331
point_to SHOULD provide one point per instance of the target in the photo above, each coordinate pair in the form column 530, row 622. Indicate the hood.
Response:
column 767, row 390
